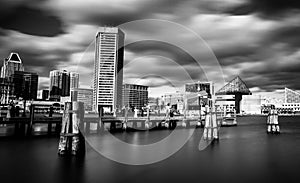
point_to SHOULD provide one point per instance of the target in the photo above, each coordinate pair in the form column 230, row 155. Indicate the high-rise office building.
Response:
column 59, row 84
column 74, row 80
column 25, row 85
column 5, row 90
column 135, row 95
column 11, row 64
column 108, row 73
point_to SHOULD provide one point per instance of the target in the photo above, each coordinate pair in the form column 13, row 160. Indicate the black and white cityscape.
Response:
column 149, row 90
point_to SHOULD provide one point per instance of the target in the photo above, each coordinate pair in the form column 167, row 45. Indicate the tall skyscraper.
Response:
column 59, row 84
column 135, row 95
column 25, row 85
column 11, row 64
column 108, row 73
column 74, row 80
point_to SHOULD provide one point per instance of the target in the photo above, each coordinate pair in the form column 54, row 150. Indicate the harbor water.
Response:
column 245, row 153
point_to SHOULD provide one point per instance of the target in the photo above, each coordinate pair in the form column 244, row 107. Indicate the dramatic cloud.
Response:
column 30, row 20
column 256, row 39
column 43, row 54
column 266, row 8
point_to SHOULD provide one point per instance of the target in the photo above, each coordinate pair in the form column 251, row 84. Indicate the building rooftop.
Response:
column 14, row 57
column 236, row 85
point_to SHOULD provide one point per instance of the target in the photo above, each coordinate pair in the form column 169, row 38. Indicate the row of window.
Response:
column 291, row 105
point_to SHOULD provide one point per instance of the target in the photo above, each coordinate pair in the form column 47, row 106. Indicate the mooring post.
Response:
column 215, row 131
column 147, row 123
column 206, row 124
column 8, row 112
column 30, row 124
column 272, row 121
column 100, row 124
column 124, row 125
column 50, row 111
column 184, row 112
column 71, row 140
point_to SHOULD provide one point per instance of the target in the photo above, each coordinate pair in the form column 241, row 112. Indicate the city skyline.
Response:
column 247, row 37
column 149, row 90
column 74, row 83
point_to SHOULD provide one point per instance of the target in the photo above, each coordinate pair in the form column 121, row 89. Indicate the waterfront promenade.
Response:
column 245, row 153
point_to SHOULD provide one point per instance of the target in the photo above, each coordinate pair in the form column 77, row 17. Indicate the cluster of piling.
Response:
column 71, row 140
column 73, row 124
column 272, row 121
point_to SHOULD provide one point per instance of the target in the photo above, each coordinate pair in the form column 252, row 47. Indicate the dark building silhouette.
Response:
column 45, row 94
column 59, row 84
column 10, row 64
column 25, row 85
column 5, row 90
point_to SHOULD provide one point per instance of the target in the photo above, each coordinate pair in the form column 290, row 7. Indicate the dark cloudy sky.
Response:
column 259, row 40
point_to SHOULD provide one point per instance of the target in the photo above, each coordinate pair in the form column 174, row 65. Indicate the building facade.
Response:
column 108, row 73
column 59, row 84
column 291, row 102
column 198, row 94
column 45, row 94
column 74, row 80
column 236, row 87
column 11, row 64
column 83, row 95
column 25, row 85
column 135, row 95
column 225, row 102
column 5, row 90
column 197, row 87
column 291, row 96
column 251, row 104
column 289, row 108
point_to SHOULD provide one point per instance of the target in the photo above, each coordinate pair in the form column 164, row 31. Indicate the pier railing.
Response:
column 24, row 125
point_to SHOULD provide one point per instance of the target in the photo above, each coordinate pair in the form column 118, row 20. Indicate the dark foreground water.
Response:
column 243, row 154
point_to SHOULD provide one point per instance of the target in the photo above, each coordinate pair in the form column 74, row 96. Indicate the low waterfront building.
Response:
column 288, row 108
column 236, row 87
column 251, row 104
column 225, row 101
column 291, row 96
column 134, row 95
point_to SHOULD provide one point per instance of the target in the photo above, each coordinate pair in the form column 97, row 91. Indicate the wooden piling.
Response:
column 147, row 122
column 100, row 124
column 29, row 128
column 71, row 139
column 125, row 125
